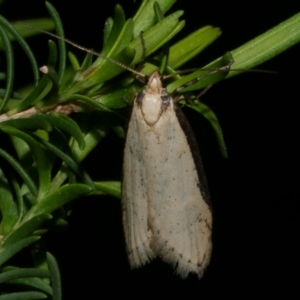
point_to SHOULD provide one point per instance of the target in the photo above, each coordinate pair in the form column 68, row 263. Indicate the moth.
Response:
column 165, row 200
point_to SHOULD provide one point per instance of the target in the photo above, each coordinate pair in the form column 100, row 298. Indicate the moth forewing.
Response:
column 166, row 211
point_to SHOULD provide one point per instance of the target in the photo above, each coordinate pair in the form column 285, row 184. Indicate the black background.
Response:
column 255, row 192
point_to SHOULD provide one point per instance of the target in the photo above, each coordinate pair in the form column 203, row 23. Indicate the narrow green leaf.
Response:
column 117, row 27
column 8, row 207
column 55, row 276
column 115, row 99
column 18, row 198
column 203, row 78
column 32, row 98
column 74, row 61
column 25, row 31
column 119, row 131
column 25, row 229
column 23, row 273
column 66, row 124
column 87, row 62
column 267, row 45
column 33, row 284
column 9, row 68
column 51, row 98
column 89, row 101
column 42, row 163
column 14, row 95
column 20, row 170
column 58, row 198
column 61, row 43
column 68, row 160
column 112, row 188
column 94, row 76
column 157, row 35
column 23, row 44
column 192, row 45
column 92, row 138
column 34, row 122
column 52, row 59
column 212, row 119
column 7, row 253
column 23, row 152
column 23, row 296
column 107, row 29
column 145, row 16
column 102, row 67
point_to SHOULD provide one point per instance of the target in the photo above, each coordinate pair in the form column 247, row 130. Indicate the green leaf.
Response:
column 23, row 44
column 8, row 207
column 87, row 62
column 115, row 99
column 33, row 284
column 117, row 26
column 10, row 251
column 52, row 59
column 74, row 61
column 23, row 273
column 32, row 98
column 20, row 170
column 107, row 29
column 207, row 113
column 51, row 98
column 58, row 198
column 34, row 122
column 112, row 188
column 267, row 45
column 192, row 45
column 23, row 296
column 14, row 95
column 157, row 35
column 115, row 47
column 89, row 101
column 39, row 155
column 10, row 67
column 55, row 277
column 25, row 229
column 61, row 43
column 25, row 31
column 145, row 17
column 92, row 138
column 96, row 75
column 64, row 123
column 68, row 160
column 203, row 78
column 23, row 152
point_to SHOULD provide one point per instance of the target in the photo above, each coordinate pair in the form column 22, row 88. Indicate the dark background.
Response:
column 255, row 193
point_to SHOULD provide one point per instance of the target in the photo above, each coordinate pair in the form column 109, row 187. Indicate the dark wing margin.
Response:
column 190, row 136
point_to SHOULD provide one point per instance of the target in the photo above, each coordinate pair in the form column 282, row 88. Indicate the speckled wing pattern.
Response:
column 166, row 210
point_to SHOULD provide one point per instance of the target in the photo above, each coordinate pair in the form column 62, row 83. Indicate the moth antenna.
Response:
column 141, row 63
column 84, row 49
column 222, row 69
column 227, row 68
column 204, row 91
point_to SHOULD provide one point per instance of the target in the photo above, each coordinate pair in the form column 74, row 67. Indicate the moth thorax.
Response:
column 151, row 108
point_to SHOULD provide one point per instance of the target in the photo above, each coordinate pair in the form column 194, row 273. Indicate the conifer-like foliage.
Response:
column 43, row 143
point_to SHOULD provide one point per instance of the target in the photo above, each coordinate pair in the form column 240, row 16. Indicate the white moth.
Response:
column 166, row 208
